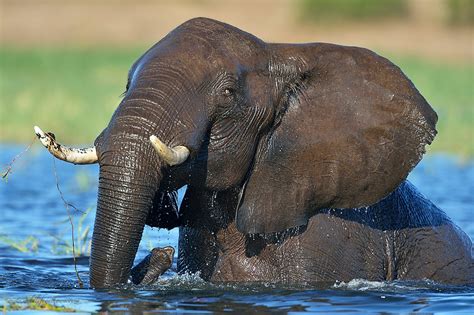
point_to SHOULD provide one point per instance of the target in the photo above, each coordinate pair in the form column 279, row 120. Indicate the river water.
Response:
column 36, row 260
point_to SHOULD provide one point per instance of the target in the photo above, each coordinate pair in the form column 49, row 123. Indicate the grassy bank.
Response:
column 73, row 92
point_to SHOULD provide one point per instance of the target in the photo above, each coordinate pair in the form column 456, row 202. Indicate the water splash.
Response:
column 398, row 286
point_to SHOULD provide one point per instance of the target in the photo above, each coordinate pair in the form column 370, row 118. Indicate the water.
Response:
column 31, row 206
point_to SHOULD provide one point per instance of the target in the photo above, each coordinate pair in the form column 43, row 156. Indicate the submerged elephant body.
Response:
column 267, row 138
column 412, row 240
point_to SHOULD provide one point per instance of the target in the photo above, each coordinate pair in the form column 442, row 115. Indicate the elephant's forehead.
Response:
column 207, row 48
column 215, row 34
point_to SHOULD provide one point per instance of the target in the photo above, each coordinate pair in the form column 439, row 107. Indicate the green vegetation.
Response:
column 34, row 304
column 461, row 12
column 458, row 12
column 62, row 244
column 29, row 244
column 354, row 10
column 73, row 92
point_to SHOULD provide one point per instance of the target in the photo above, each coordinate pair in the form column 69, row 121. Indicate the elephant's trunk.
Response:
column 126, row 192
column 131, row 170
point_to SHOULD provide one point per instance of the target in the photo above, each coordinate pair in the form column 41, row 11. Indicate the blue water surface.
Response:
column 35, row 219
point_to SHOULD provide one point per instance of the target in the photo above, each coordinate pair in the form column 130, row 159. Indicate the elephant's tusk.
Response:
column 72, row 155
column 172, row 156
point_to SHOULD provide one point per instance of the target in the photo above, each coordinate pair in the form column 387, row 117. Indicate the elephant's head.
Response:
column 295, row 127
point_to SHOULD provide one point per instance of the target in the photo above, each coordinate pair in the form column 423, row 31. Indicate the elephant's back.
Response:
column 404, row 208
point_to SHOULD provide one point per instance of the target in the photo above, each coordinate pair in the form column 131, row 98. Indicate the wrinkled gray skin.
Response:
column 278, row 134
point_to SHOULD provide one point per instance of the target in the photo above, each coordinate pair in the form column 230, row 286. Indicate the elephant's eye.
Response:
column 228, row 92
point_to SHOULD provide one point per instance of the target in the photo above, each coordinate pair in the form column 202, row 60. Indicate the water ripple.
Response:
column 48, row 272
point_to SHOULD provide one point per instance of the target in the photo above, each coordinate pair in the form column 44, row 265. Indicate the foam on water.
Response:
column 399, row 286
column 171, row 280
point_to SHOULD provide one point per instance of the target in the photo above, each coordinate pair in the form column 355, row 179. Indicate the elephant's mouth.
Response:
column 164, row 212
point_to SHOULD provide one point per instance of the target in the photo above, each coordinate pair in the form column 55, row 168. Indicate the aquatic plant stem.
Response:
column 9, row 166
column 68, row 206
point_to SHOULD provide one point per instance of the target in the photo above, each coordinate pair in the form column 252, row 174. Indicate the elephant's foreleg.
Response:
column 198, row 251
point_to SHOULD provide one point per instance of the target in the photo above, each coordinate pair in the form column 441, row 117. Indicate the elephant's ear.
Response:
column 351, row 128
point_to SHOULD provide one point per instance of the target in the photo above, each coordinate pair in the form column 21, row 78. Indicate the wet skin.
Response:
column 403, row 237
column 277, row 134
column 153, row 266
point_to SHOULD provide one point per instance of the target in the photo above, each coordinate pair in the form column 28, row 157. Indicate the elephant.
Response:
column 295, row 159
column 153, row 266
